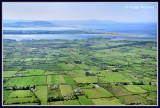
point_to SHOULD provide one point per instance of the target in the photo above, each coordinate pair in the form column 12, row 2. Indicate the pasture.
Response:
column 56, row 103
column 84, row 100
column 97, row 93
column 66, row 89
column 68, row 79
column 49, row 79
column 9, row 73
column 71, row 102
column 133, row 100
column 30, row 72
column 114, row 77
column 94, row 71
column 32, row 80
column 135, row 89
column 106, row 101
column 149, row 88
column 41, row 93
column 89, row 79
column 21, row 97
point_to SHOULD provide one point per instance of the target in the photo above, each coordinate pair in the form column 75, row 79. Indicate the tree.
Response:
column 14, row 87
column 4, row 80
column 34, row 86
column 87, row 73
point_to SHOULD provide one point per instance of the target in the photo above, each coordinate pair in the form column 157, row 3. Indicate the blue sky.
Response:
column 121, row 12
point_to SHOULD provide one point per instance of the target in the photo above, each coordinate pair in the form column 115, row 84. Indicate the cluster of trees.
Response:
column 90, row 74
column 57, row 98
column 78, row 62
column 138, row 83
column 23, row 87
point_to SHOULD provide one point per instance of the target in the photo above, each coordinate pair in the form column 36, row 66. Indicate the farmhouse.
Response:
column 15, row 75
column 78, row 90
column 124, row 83
column 8, row 88
column 33, row 89
column 67, row 97
column 153, row 83
column 54, row 86
column 134, row 77
column 96, row 86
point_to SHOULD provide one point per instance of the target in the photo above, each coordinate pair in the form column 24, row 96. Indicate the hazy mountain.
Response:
column 82, row 22
column 29, row 24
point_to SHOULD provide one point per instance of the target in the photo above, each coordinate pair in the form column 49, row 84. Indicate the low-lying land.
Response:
column 95, row 71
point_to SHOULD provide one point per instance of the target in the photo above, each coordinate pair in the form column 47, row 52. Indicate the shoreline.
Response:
column 116, row 34
column 104, row 34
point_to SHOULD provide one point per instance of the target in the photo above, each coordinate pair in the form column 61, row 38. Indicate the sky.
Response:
column 120, row 12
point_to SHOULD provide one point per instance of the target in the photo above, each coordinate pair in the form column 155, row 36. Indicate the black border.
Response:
column 76, row 1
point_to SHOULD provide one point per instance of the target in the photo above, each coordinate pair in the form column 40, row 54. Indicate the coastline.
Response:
column 116, row 34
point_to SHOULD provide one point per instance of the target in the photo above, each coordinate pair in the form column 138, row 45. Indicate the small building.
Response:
column 96, row 86
column 124, row 83
column 108, row 70
column 116, row 83
column 134, row 77
column 153, row 83
column 8, row 88
column 33, row 89
column 54, row 86
column 67, row 97
column 15, row 75
column 78, row 90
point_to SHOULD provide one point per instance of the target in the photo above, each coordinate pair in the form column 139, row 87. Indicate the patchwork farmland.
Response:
column 79, row 72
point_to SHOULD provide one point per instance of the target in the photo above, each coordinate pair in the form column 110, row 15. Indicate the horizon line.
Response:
column 77, row 20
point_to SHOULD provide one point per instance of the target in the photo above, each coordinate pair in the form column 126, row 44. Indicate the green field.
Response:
column 86, row 86
column 90, row 79
column 117, row 90
column 93, row 71
column 84, row 100
column 133, row 100
column 55, row 79
column 62, row 80
column 114, row 77
column 97, row 93
column 32, row 80
column 107, row 101
column 68, row 79
column 41, row 94
column 21, row 97
column 20, row 93
column 71, row 102
column 66, row 89
column 49, row 79
column 12, row 81
column 54, row 92
column 6, row 93
column 135, row 89
column 33, row 72
column 56, row 103
column 149, row 88
column 8, row 73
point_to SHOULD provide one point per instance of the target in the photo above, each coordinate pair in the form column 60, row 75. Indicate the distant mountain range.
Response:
column 53, row 23
column 58, row 23
column 29, row 24
column 83, row 22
